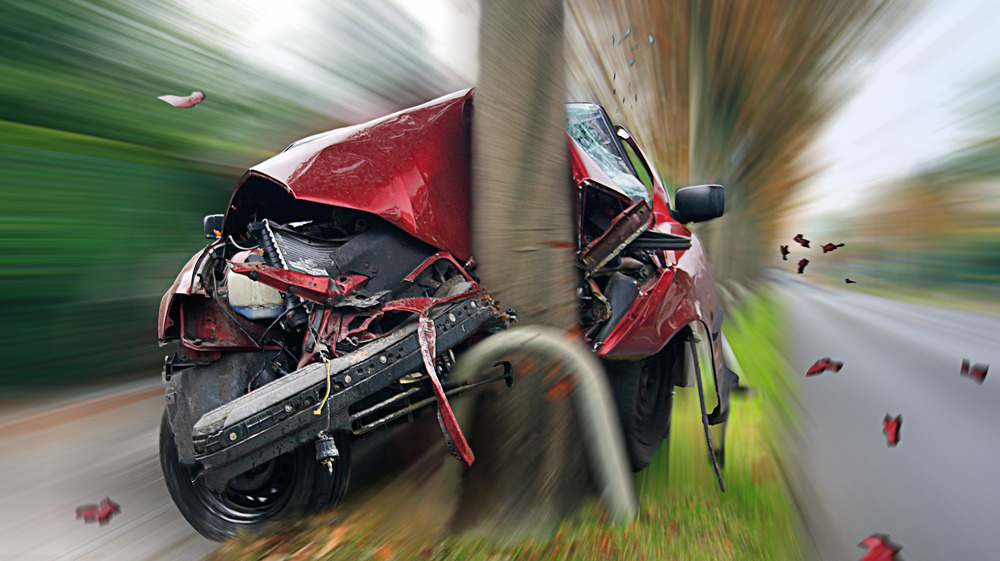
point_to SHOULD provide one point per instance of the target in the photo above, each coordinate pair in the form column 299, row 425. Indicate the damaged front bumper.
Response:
column 277, row 418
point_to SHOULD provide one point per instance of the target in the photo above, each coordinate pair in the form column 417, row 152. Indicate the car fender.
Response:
column 182, row 285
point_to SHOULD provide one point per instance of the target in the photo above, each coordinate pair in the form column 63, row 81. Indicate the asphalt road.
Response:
column 57, row 455
column 938, row 492
column 63, row 452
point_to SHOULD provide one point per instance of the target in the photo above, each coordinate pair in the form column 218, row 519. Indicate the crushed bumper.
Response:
column 278, row 417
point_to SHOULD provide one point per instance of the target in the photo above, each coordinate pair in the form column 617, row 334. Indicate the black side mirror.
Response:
column 699, row 203
column 213, row 224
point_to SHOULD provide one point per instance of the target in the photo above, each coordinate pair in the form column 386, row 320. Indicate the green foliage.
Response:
column 755, row 330
column 104, row 185
column 682, row 513
column 90, row 241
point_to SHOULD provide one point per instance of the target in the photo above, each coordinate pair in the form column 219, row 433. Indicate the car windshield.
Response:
column 587, row 124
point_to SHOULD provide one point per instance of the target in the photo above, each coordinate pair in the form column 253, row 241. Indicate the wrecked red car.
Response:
column 339, row 288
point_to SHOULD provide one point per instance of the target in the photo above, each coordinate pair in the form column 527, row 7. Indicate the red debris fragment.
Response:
column 879, row 548
column 100, row 513
column 976, row 372
column 822, row 365
column 801, row 240
column 784, row 253
column 831, row 247
column 890, row 427
column 802, row 265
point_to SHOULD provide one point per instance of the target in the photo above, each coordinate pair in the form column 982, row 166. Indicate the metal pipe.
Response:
column 456, row 391
column 592, row 399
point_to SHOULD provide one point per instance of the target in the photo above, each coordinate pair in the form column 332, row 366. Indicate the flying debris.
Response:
column 784, row 253
column 890, row 428
column 801, row 240
column 195, row 98
column 802, row 265
column 879, row 548
column 631, row 62
column 849, row 281
column 822, row 365
column 650, row 38
column 98, row 513
column 976, row 372
column 627, row 33
column 830, row 247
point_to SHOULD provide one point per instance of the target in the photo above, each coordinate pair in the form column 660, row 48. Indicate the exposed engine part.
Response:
column 262, row 231
column 250, row 299
column 620, row 291
column 326, row 450
column 625, row 227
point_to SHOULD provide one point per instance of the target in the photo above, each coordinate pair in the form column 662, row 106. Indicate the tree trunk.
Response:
column 522, row 219
column 530, row 467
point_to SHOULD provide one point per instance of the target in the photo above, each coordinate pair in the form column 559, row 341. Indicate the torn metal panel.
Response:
column 626, row 227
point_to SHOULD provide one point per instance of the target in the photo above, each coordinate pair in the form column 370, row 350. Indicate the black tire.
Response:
column 288, row 485
column 644, row 396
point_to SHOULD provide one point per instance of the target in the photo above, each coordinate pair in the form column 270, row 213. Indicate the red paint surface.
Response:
column 822, row 365
column 879, row 548
column 890, row 428
column 410, row 168
column 101, row 513
column 682, row 293
column 976, row 372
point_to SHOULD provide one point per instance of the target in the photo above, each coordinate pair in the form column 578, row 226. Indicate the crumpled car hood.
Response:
column 411, row 168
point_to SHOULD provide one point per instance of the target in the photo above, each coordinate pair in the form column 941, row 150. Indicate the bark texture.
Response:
column 522, row 218
column 530, row 469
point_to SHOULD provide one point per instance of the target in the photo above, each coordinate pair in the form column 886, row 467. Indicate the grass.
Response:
column 683, row 515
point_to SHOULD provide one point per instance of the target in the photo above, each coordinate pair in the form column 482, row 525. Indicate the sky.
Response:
column 453, row 27
column 905, row 110
column 908, row 109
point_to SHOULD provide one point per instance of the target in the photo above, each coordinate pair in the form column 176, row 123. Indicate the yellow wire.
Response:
column 319, row 410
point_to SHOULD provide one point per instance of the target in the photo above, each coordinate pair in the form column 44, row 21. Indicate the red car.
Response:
column 339, row 288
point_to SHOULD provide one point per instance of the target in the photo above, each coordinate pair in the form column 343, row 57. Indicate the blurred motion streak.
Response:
column 936, row 228
column 104, row 185
column 730, row 92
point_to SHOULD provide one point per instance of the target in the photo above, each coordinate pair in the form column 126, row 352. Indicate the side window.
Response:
column 645, row 175
column 588, row 125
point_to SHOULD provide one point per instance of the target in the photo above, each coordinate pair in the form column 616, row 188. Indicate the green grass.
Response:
column 683, row 515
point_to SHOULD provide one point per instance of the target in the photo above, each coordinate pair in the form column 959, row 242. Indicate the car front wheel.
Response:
column 645, row 398
column 288, row 485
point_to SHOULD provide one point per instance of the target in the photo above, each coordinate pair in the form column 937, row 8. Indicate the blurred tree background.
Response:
column 104, row 186
column 937, row 228
column 728, row 92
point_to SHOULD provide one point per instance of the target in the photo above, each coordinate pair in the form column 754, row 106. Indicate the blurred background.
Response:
column 872, row 123
column 104, row 186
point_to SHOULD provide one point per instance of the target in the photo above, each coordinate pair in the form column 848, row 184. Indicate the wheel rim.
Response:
column 254, row 496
